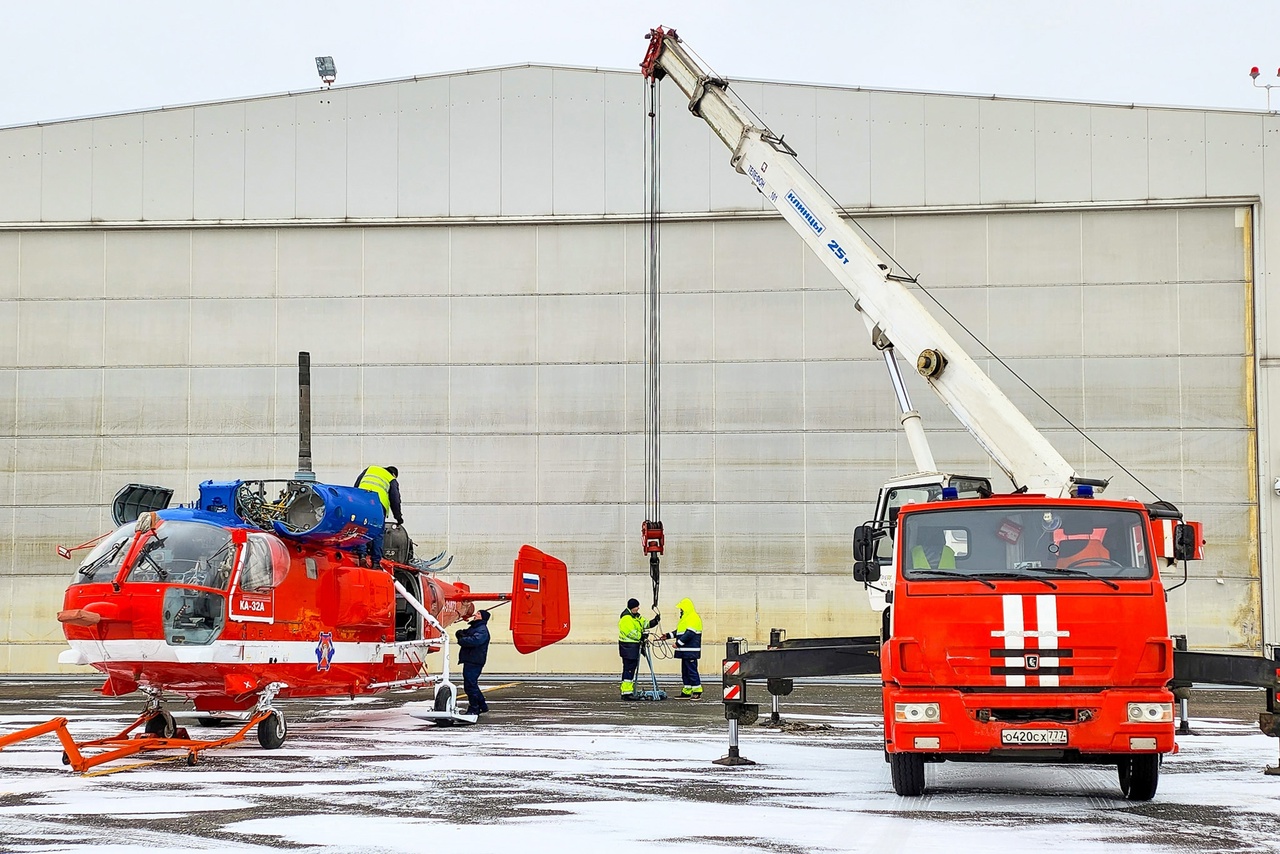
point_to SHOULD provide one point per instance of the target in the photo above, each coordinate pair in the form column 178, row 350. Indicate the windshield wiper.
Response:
column 1074, row 573
column 105, row 559
column 947, row 573
column 1014, row 576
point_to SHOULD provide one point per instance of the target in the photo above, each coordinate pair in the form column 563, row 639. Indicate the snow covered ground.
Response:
column 565, row 768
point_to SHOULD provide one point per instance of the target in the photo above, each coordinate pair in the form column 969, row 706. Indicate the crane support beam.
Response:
column 890, row 311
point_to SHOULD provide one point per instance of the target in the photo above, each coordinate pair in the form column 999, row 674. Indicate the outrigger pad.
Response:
column 539, row 600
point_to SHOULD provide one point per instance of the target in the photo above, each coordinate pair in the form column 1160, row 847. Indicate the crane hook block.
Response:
column 930, row 363
column 651, row 534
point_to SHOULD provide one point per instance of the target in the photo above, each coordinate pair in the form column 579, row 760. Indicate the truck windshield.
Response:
column 1033, row 541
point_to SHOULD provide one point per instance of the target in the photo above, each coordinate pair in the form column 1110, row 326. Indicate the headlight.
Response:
column 1151, row 713
column 917, row 713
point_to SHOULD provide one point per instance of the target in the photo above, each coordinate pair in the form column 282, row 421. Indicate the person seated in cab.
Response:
column 1079, row 544
column 931, row 551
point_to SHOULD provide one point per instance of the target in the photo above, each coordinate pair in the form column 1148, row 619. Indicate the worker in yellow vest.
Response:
column 382, row 481
column 932, row 551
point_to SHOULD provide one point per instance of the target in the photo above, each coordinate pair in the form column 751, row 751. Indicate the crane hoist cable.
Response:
column 651, row 531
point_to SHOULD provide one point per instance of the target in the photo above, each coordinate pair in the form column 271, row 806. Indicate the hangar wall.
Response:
column 462, row 256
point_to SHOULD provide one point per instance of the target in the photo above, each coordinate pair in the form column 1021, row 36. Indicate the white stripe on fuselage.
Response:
column 233, row 652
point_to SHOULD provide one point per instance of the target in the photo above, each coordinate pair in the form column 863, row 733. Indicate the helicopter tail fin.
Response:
column 539, row 600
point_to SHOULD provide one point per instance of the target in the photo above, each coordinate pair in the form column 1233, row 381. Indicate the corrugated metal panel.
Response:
column 1233, row 154
column 1062, row 153
column 270, row 158
column 1007, row 152
column 372, row 150
column 424, row 146
column 321, row 155
column 219, row 191
column 117, row 168
column 527, row 165
column 20, row 174
column 475, row 144
column 168, row 165
column 1177, row 154
column 1118, row 167
column 623, row 143
column 897, row 149
column 842, row 146
column 952, row 153
column 66, row 172
column 578, row 151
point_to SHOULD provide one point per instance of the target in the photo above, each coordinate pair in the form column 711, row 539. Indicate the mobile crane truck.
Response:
column 1021, row 627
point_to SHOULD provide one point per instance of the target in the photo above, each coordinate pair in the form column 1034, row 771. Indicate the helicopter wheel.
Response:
column 446, row 701
column 272, row 730
column 160, row 724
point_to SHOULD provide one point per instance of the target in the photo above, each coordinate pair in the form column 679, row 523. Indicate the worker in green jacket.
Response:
column 932, row 551
column 382, row 482
column 631, row 628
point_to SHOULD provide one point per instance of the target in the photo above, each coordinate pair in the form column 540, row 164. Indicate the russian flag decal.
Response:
column 531, row 581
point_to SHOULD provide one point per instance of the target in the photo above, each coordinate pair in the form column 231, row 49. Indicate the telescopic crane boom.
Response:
column 895, row 318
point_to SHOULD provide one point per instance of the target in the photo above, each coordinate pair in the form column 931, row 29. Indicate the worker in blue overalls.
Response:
column 688, row 638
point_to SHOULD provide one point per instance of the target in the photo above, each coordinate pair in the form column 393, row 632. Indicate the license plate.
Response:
column 1033, row 736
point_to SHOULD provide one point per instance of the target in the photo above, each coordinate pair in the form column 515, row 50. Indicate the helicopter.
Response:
column 257, row 592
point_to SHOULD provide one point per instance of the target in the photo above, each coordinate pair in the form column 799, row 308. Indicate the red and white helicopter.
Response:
column 253, row 594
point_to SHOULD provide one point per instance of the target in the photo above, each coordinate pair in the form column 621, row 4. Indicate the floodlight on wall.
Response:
column 326, row 69
column 1253, row 72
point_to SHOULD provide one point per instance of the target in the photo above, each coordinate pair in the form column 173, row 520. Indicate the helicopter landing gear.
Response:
column 272, row 730
column 160, row 724
column 444, row 708
column 271, row 726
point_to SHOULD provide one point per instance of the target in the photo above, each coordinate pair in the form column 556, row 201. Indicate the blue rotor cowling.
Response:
column 321, row 514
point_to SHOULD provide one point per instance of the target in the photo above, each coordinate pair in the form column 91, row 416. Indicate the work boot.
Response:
column 696, row 696
column 627, row 698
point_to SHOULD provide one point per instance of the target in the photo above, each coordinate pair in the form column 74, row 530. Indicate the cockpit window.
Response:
column 104, row 561
column 189, row 553
column 1040, row 542
column 264, row 565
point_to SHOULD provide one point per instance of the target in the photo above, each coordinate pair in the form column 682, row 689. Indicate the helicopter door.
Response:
column 408, row 620
column 264, row 561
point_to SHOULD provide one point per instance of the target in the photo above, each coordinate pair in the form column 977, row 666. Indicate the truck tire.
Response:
column 907, row 771
column 1140, row 776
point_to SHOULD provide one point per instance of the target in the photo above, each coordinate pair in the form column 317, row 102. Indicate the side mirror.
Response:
column 865, row 566
column 866, row 571
column 1184, row 542
column 863, row 544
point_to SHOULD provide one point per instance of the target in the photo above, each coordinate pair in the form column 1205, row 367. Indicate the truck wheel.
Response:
column 1139, row 776
column 907, row 771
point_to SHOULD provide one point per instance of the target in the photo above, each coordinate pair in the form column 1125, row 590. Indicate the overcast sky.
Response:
column 68, row 58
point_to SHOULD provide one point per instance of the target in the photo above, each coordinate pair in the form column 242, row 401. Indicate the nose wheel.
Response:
column 272, row 730
column 161, row 724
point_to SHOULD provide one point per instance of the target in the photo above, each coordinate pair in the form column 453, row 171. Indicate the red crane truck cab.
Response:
column 1023, row 628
